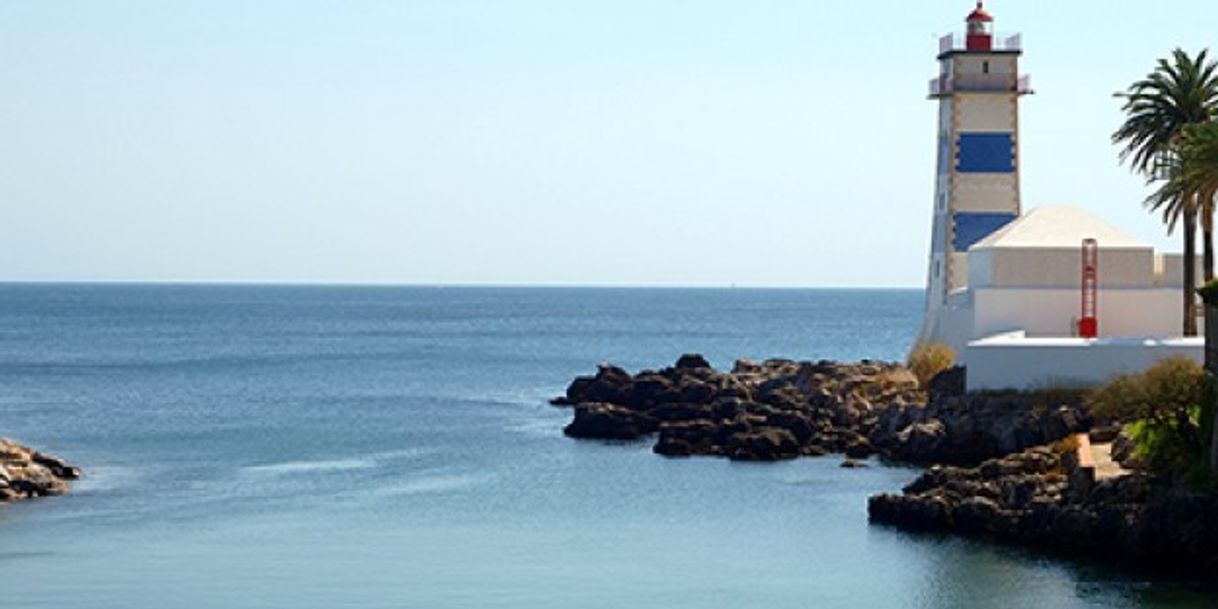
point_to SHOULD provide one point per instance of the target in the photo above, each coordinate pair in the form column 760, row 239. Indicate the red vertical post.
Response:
column 1088, row 322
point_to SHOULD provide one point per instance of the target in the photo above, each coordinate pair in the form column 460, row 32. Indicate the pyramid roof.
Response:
column 1059, row 226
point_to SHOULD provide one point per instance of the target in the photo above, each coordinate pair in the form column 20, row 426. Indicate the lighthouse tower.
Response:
column 977, row 181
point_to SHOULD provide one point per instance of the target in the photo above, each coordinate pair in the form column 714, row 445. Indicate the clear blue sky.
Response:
column 684, row 142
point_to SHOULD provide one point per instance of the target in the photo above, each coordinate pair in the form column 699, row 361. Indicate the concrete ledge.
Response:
column 1080, row 467
column 1015, row 361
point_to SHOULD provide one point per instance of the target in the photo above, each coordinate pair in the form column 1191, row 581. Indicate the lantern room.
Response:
column 980, row 29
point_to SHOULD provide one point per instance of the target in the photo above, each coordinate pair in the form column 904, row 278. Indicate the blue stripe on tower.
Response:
column 969, row 228
column 985, row 153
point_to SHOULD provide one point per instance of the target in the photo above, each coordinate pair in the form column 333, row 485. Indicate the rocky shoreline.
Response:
column 1000, row 464
column 26, row 473
column 1042, row 498
column 784, row 409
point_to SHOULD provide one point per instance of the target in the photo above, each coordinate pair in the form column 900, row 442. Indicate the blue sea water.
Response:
column 256, row 446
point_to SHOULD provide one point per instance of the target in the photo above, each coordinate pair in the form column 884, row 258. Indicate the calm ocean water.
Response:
column 392, row 447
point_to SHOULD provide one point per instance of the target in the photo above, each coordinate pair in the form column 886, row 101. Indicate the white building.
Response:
column 1005, row 290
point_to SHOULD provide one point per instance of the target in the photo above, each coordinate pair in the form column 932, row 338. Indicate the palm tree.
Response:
column 1192, row 176
column 1179, row 92
column 1198, row 164
column 1197, row 175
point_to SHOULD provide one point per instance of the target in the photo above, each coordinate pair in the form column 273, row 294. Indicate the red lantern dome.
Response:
column 980, row 14
column 980, row 37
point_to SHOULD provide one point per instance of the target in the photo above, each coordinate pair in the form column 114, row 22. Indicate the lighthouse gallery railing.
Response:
column 1002, row 43
column 982, row 83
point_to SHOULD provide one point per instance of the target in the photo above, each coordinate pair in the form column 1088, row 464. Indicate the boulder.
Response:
column 859, row 448
column 948, row 383
column 767, row 444
column 691, row 361
column 798, row 424
column 1104, row 434
column 57, row 465
column 26, row 473
column 647, row 391
column 681, row 411
column 686, row 438
column 608, row 422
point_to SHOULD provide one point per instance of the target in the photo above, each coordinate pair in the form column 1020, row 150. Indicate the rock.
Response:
column 811, row 408
column 610, row 385
column 672, row 446
column 1105, row 434
column 923, row 438
column 696, row 391
column 948, row 383
column 798, row 424
column 768, row 444
column 1025, row 498
column 58, row 466
column 1123, row 449
column 853, row 464
column 26, row 473
column 744, row 366
column 685, row 438
column 976, row 514
column 976, row 427
column 692, row 361
column 647, row 391
column 860, row 448
column 608, row 422
column 681, row 411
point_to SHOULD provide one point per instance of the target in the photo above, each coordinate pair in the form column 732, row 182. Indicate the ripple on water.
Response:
column 106, row 478
column 308, row 467
column 432, row 484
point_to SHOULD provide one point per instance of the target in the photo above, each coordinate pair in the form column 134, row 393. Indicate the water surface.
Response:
column 327, row 447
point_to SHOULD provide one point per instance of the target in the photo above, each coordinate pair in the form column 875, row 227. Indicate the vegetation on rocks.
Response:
column 928, row 359
column 1165, row 408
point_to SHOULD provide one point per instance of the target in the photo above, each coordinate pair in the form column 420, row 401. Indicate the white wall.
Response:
column 980, row 268
column 1014, row 362
column 951, row 325
column 1173, row 269
column 1062, row 267
column 1049, row 312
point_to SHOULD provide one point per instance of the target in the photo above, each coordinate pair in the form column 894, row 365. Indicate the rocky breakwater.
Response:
column 777, row 409
column 26, row 473
column 967, row 428
column 1037, row 498
column 782, row 409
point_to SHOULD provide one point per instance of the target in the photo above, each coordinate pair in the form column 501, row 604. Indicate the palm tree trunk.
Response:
column 1207, row 238
column 1207, row 241
column 1190, row 272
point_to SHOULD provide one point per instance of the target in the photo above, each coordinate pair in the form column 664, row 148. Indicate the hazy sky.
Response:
column 682, row 142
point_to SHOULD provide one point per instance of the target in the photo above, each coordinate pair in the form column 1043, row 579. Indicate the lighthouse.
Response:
column 1004, row 283
column 977, row 177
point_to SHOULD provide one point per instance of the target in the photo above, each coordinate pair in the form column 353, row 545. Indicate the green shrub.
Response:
column 1164, row 405
column 928, row 359
column 1209, row 292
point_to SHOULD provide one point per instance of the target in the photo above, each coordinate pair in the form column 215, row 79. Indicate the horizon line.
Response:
column 438, row 285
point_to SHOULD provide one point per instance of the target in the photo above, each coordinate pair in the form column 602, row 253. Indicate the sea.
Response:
column 346, row 446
